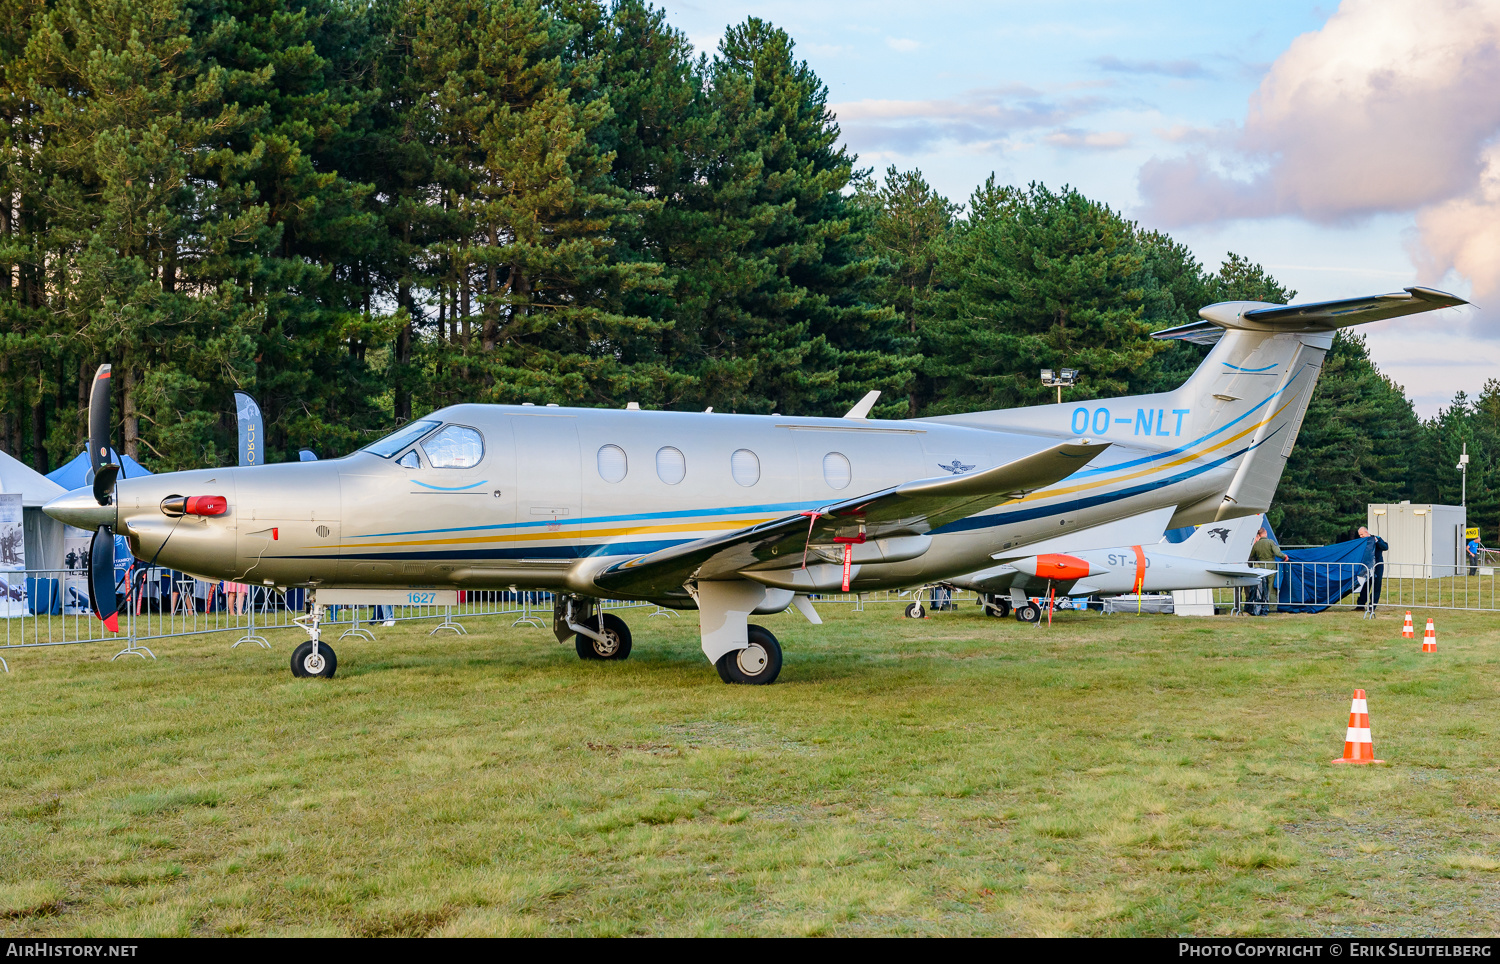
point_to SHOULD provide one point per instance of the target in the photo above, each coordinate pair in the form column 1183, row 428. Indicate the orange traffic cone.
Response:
column 1429, row 638
column 1357, row 745
column 1407, row 630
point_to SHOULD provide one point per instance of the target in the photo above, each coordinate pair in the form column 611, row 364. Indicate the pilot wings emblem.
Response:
column 1221, row 534
column 956, row 467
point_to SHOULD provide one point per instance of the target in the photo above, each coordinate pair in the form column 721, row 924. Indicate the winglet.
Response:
column 862, row 409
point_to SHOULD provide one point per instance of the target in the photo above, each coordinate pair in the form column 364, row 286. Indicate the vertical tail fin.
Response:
column 1241, row 409
column 1217, row 542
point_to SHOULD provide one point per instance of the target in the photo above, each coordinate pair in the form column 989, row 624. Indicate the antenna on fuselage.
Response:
column 862, row 408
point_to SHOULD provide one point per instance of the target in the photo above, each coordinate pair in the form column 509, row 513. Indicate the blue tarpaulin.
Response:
column 1311, row 588
column 77, row 474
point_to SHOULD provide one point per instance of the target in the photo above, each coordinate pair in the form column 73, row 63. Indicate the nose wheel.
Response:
column 307, row 661
column 314, row 657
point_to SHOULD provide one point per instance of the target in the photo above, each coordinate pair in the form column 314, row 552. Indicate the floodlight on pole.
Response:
column 1463, row 468
column 1065, row 378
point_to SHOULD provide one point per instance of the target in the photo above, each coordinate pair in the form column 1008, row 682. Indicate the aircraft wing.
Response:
column 912, row 508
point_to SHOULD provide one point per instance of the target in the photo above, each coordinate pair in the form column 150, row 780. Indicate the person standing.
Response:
column 234, row 597
column 1474, row 549
column 1264, row 555
column 1377, row 571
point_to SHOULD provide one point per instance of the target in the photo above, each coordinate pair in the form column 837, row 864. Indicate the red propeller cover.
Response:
column 206, row 505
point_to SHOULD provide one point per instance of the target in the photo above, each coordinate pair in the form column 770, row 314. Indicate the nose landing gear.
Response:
column 314, row 657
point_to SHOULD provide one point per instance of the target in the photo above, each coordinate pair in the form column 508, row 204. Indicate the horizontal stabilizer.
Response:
column 1321, row 316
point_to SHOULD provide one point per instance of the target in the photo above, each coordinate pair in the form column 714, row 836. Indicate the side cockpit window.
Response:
column 410, row 460
column 454, row 447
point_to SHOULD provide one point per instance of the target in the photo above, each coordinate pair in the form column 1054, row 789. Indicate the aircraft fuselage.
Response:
column 554, row 495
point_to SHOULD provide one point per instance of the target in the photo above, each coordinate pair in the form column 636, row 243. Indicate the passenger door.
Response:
column 549, row 486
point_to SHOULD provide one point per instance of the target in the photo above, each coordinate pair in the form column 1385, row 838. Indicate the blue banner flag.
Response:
column 252, row 430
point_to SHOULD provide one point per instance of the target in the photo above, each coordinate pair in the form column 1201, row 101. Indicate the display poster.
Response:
column 75, row 582
column 252, row 429
column 12, row 557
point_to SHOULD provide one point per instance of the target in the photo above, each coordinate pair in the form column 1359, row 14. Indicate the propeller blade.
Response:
column 99, row 420
column 104, row 483
column 102, row 578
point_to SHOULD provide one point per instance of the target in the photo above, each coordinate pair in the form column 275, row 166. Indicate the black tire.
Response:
column 757, row 665
column 304, row 665
column 1030, row 612
column 997, row 607
column 915, row 611
column 616, row 635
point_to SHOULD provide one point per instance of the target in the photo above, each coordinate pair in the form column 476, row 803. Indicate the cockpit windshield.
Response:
column 400, row 439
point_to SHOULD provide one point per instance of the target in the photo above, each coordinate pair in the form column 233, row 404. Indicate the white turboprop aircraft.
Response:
column 729, row 514
column 1214, row 556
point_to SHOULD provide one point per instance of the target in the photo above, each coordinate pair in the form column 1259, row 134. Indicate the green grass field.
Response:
column 960, row 775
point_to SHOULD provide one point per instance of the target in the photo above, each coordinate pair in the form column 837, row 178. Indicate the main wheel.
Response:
column 915, row 611
column 1029, row 612
column 756, row 664
column 307, row 663
column 614, row 645
column 997, row 606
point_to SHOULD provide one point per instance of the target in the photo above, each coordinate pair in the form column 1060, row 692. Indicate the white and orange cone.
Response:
column 1408, row 631
column 1358, row 747
column 1429, row 638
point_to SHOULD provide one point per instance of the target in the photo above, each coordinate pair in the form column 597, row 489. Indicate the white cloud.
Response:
column 903, row 44
column 985, row 116
column 1070, row 139
column 1391, row 106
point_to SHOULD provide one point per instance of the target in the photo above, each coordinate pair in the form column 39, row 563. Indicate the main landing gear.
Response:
column 596, row 635
column 997, row 606
column 741, row 652
column 314, row 657
column 610, row 639
column 757, row 664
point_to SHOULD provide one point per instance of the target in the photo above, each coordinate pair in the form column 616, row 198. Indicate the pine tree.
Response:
column 1354, row 449
column 909, row 223
column 775, row 297
column 1040, row 279
column 161, row 236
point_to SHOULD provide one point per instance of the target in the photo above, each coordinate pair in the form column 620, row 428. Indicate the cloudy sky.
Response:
column 1350, row 147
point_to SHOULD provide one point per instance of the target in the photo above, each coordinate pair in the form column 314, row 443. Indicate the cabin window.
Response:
column 671, row 467
column 612, row 463
column 400, row 439
column 836, row 471
column 455, row 447
column 410, row 460
column 745, row 467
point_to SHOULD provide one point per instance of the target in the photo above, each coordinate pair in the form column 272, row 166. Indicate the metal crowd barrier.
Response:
column 161, row 604
column 1467, row 588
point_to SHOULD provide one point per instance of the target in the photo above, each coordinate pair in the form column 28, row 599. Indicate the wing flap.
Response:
column 912, row 508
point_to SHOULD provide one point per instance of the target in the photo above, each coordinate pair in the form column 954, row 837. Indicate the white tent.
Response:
column 44, row 534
